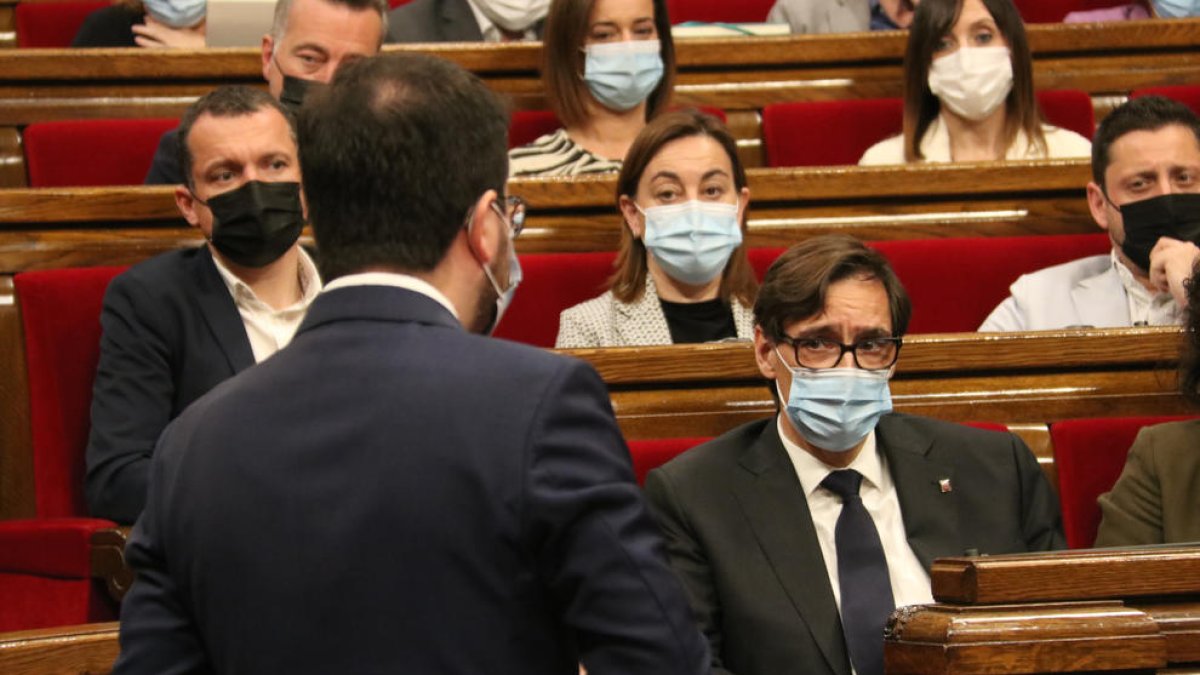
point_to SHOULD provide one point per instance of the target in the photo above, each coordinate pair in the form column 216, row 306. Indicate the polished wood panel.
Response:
column 108, row 561
column 12, row 156
column 16, row 459
column 90, row 649
column 8, row 24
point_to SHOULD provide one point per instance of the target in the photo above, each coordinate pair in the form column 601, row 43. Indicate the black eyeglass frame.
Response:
column 843, row 348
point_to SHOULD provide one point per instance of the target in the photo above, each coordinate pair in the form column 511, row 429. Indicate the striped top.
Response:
column 556, row 155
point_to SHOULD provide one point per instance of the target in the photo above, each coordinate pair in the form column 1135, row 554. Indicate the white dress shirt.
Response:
column 910, row 581
column 271, row 329
column 1146, row 308
column 404, row 281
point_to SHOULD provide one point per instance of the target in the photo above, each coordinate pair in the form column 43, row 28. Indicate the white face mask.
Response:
column 1177, row 9
column 513, row 15
column 972, row 81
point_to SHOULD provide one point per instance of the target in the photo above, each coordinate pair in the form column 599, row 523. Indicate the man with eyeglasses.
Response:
column 799, row 534
column 395, row 491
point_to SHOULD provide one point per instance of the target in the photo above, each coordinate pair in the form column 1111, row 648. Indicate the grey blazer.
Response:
column 822, row 16
column 433, row 21
column 605, row 321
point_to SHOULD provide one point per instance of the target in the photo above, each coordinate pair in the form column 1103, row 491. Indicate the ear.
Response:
column 1098, row 204
column 743, row 205
column 483, row 231
column 763, row 349
column 268, row 48
column 187, row 205
column 633, row 218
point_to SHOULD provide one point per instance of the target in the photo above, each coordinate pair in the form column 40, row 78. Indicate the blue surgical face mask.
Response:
column 621, row 75
column 177, row 13
column 1176, row 9
column 835, row 408
column 692, row 241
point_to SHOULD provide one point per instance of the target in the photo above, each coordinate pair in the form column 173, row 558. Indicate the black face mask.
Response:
column 1172, row 215
column 295, row 90
column 257, row 223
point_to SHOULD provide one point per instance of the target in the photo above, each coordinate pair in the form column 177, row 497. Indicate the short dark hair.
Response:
column 1146, row 113
column 284, row 7
column 566, row 32
column 629, row 281
column 394, row 154
column 932, row 20
column 796, row 284
column 227, row 101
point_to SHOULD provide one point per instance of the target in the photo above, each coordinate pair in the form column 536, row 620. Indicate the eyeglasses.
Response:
column 513, row 213
column 869, row 354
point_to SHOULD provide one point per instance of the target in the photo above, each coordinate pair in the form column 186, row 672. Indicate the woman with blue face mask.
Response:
column 608, row 67
column 968, row 91
column 682, row 275
column 171, row 24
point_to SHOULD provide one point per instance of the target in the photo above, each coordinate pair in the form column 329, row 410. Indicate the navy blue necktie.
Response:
column 862, row 575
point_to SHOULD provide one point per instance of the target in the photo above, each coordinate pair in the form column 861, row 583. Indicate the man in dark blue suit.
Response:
column 177, row 325
column 394, row 492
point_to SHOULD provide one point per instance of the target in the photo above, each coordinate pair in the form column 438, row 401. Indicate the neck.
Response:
column 673, row 290
column 976, row 140
column 608, row 133
column 838, row 460
column 277, row 284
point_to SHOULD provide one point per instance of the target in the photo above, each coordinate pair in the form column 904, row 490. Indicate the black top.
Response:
column 108, row 27
column 691, row 322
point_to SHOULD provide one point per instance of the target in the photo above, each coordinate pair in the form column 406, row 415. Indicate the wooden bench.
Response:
column 66, row 227
column 1123, row 610
column 1105, row 60
column 90, row 649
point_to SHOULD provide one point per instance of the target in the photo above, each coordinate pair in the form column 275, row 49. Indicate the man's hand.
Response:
column 1171, row 265
column 155, row 35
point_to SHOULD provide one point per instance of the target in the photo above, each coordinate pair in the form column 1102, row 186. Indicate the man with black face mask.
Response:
column 179, row 324
column 309, row 40
column 1146, row 194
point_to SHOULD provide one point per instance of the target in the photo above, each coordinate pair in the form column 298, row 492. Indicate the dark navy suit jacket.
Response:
column 171, row 332
column 740, row 535
column 391, row 494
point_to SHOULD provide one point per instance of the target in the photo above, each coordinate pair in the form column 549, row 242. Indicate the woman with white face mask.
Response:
column 968, row 91
column 682, row 274
column 608, row 67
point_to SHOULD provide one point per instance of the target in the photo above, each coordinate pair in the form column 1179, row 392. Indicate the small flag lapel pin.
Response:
column 944, row 485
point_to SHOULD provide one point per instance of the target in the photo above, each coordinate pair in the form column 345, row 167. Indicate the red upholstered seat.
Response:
column 92, row 152
column 652, row 453
column 1089, row 455
column 552, row 282
column 719, row 11
column 45, row 561
column 1053, row 11
column 827, row 133
column 1069, row 109
column 1187, row 94
column 52, row 24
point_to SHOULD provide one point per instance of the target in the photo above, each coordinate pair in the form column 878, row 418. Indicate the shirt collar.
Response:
column 811, row 471
column 405, row 281
column 310, row 281
column 1134, row 288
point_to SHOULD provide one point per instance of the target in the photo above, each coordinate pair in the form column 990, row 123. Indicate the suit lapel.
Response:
column 775, row 506
column 930, row 510
column 642, row 322
column 221, row 314
column 458, row 22
column 1096, row 300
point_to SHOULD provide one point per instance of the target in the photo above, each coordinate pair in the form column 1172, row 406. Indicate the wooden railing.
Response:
column 89, row 649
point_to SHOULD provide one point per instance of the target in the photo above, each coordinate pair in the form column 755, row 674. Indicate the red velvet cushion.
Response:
column 52, row 24
column 1187, row 94
column 92, row 152
column 719, row 11
column 1069, row 109
column 56, row 547
column 31, row 602
column 526, row 126
column 652, row 453
column 552, row 282
column 955, row 283
column 60, row 311
column 827, row 133
column 1089, row 455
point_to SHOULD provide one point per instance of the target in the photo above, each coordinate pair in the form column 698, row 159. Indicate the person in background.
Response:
column 842, row 16
column 308, row 42
column 1145, row 193
column 176, row 24
column 1145, row 9
column 1157, row 497
column 968, row 91
column 467, row 21
column 682, row 274
column 608, row 67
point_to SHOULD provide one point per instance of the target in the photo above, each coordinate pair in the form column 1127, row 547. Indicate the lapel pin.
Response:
column 944, row 485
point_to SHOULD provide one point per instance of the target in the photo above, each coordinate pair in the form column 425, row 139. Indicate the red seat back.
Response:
column 1053, row 11
column 649, row 454
column 92, row 152
column 60, row 312
column 552, row 282
column 1187, row 94
column 1069, row 109
column 52, row 24
column 827, row 133
column 719, row 11
column 1089, row 455
column 526, row 126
